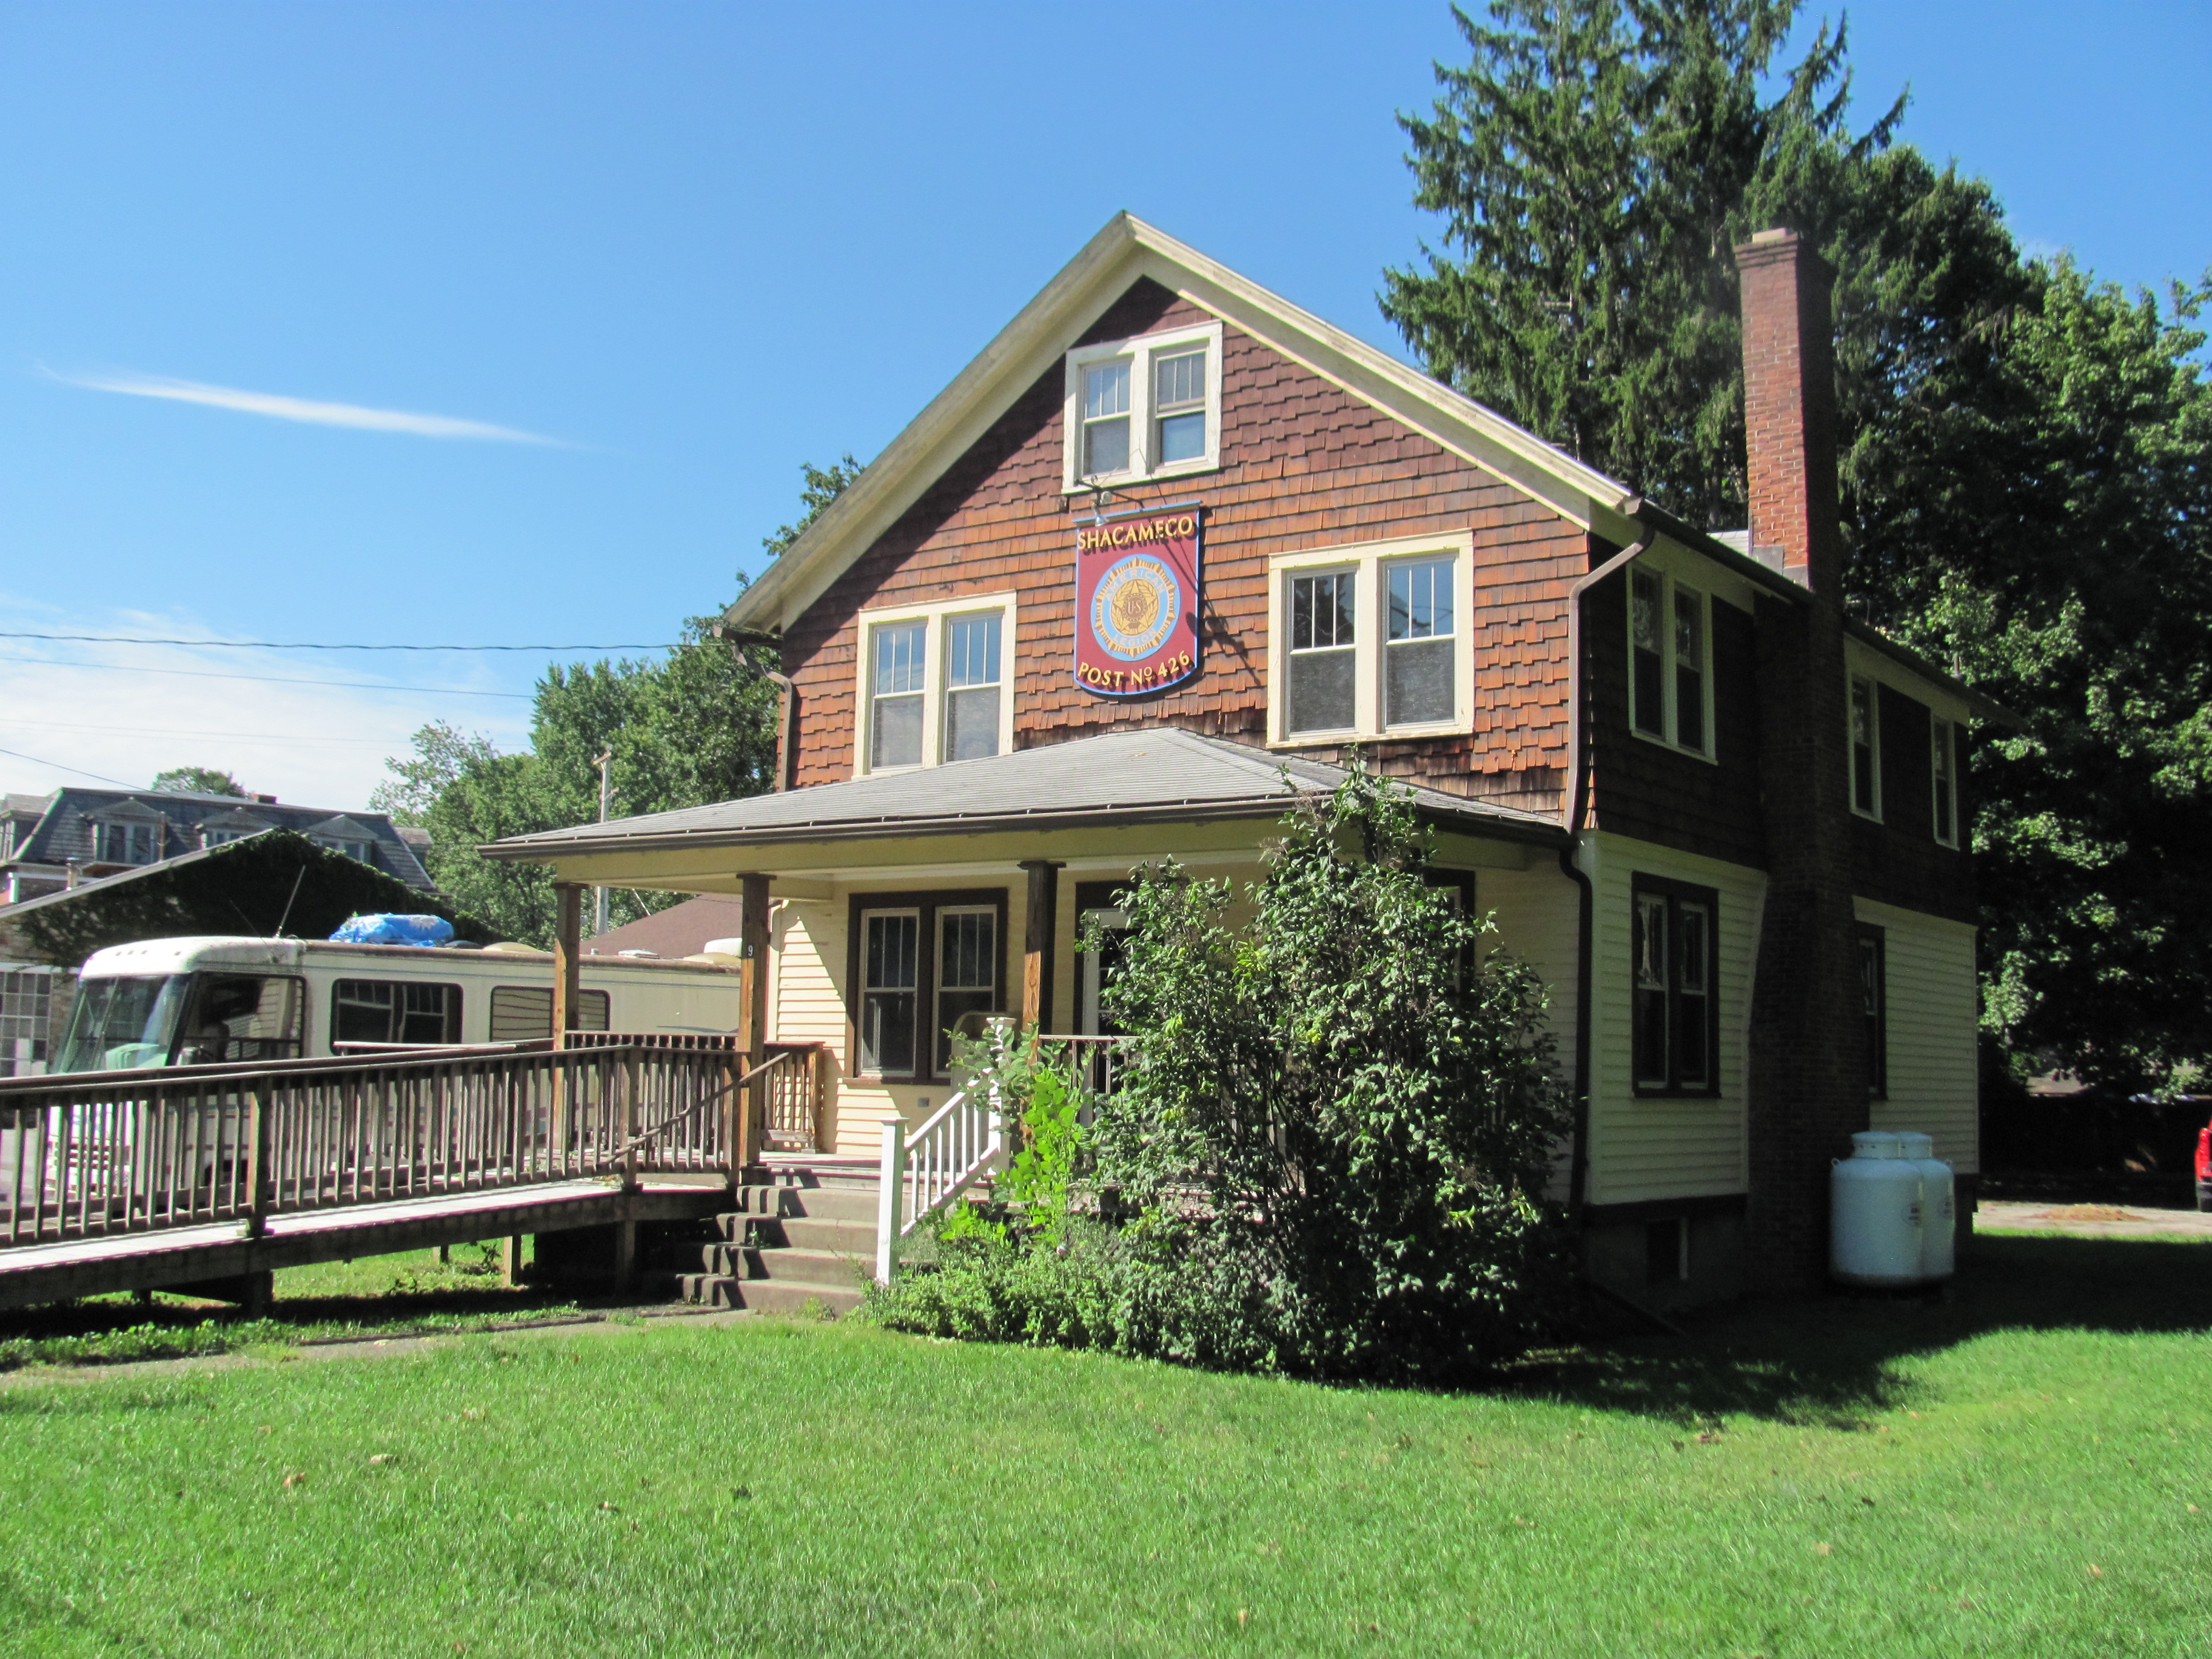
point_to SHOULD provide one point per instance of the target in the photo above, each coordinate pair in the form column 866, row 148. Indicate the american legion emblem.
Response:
column 1136, row 601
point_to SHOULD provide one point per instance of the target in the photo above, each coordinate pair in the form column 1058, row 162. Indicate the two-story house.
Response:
column 48, row 842
column 1168, row 538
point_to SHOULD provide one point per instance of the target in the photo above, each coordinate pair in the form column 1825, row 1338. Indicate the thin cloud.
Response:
column 277, row 407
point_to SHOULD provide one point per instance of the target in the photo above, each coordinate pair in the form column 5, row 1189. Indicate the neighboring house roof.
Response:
column 66, row 820
column 1126, row 250
column 1157, row 775
column 260, row 882
column 681, row 930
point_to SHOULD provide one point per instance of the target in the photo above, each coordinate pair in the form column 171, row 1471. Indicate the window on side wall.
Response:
column 1866, row 748
column 1675, row 1013
column 1670, row 660
column 1874, row 1006
column 1943, row 779
column 934, row 684
column 1147, row 407
column 1371, row 641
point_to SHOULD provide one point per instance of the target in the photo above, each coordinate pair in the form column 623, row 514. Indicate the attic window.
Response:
column 123, row 843
column 1147, row 407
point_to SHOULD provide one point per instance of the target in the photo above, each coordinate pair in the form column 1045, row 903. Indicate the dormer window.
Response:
column 1148, row 407
column 123, row 843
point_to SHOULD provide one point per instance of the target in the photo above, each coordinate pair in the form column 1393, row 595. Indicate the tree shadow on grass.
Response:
column 1832, row 1361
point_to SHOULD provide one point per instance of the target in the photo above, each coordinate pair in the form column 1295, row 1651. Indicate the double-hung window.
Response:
column 933, row 684
column 967, row 974
column 1324, row 655
column 1943, row 778
column 1675, row 1013
column 923, row 965
column 1873, row 999
column 890, row 980
column 1670, row 660
column 1147, row 407
column 1866, row 747
column 1372, row 641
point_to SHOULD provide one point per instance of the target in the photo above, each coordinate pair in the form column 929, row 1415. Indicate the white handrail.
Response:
column 924, row 1171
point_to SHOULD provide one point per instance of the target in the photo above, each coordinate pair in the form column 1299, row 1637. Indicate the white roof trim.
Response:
column 1040, row 334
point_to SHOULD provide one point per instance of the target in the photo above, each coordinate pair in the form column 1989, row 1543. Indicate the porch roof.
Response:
column 1160, row 775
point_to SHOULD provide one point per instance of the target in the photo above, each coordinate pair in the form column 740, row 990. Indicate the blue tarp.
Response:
column 384, row 928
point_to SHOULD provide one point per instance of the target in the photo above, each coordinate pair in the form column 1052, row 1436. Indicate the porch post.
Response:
column 1037, row 941
column 568, row 958
column 752, row 1016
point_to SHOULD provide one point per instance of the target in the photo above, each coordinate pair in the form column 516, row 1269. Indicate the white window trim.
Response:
column 1369, row 561
column 1141, row 350
column 1668, row 695
column 935, row 616
column 1872, row 811
column 1950, row 729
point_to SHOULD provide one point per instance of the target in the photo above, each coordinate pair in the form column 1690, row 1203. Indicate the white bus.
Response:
column 205, row 1001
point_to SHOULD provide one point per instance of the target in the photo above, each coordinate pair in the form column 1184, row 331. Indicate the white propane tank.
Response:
column 1875, row 1218
column 1938, row 1240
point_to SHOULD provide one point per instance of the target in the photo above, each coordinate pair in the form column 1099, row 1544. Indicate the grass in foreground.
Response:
column 332, row 1301
column 2026, row 1470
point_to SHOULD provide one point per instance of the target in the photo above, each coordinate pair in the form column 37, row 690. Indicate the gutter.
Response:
column 1571, row 812
column 1269, row 807
column 1655, row 517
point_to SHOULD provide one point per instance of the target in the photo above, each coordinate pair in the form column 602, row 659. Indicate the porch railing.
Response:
column 798, row 1089
column 91, row 1155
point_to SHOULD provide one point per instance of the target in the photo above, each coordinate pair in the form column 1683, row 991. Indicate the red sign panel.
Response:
column 1136, row 602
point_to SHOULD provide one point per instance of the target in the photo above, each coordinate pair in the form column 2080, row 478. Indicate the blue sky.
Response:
column 662, row 252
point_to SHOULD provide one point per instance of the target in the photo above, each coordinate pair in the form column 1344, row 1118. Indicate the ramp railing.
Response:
column 97, row 1154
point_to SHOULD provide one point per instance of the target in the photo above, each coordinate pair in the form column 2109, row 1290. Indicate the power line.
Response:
column 310, row 645
column 274, row 679
column 194, row 732
column 79, row 770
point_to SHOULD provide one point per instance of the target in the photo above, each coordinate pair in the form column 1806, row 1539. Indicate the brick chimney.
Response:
column 1789, row 407
column 1807, row 1042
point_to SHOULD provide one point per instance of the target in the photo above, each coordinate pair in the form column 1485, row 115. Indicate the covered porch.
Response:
column 879, row 913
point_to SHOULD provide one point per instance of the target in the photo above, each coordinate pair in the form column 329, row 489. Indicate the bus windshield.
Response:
column 119, row 1024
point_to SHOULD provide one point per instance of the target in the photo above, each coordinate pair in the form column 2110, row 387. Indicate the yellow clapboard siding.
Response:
column 1645, row 1148
column 1934, row 1010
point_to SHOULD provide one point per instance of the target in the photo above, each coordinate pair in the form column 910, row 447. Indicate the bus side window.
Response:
column 394, row 1011
column 243, row 1017
column 522, row 1013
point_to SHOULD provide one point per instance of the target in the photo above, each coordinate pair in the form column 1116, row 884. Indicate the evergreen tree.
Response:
column 2022, row 449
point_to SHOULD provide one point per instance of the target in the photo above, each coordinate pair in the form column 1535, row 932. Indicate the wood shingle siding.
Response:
column 1305, row 464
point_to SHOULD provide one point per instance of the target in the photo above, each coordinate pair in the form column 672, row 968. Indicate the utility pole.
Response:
column 606, row 800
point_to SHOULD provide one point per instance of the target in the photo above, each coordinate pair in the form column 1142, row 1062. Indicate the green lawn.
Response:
column 372, row 1296
column 2012, row 1472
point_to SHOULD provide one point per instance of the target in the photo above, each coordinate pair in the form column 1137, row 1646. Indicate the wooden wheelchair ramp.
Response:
column 135, row 1180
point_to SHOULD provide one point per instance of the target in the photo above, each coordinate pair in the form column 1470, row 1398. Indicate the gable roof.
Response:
column 1154, row 774
column 1126, row 250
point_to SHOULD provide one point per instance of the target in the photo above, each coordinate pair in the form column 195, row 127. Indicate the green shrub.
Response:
column 1331, row 1135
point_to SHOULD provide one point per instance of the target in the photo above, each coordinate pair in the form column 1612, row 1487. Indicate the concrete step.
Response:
column 758, row 1295
column 822, row 1203
column 830, row 1267
column 851, row 1238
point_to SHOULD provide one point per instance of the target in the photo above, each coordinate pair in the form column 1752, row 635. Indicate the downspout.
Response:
column 1571, row 813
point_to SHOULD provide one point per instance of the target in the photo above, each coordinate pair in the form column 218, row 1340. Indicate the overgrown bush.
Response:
column 1327, row 1148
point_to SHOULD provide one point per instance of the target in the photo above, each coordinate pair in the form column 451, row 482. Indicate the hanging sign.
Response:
column 1136, row 601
